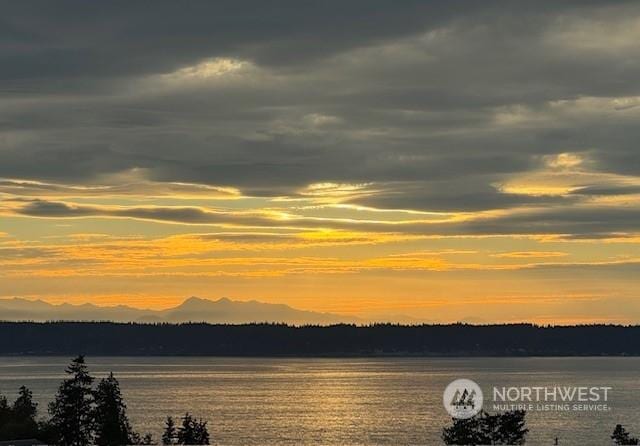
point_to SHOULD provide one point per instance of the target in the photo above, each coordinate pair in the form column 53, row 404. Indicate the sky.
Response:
column 444, row 161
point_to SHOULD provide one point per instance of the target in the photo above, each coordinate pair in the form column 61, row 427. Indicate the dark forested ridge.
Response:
column 105, row 338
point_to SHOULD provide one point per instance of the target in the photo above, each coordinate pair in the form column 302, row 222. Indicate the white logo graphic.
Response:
column 462, row 398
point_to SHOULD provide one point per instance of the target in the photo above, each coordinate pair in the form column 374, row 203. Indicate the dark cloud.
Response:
column 433, row 102
column 41, row 208
column 75, row 39
column 184, row 215
column 145, row 189
column 559, row 220
column 600, row 236
column 472, row 194
column 605, row 189
column 577, row 221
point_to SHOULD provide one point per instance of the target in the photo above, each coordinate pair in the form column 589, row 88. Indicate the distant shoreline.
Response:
column 279, row 340
column 328, row 356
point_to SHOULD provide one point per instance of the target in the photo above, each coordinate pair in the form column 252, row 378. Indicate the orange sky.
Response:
column 316, row 253
column 395, row 161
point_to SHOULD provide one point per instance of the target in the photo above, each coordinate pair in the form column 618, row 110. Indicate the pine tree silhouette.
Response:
column 193, row 431
column 71, row 411
column 620, row 436
column 110, row 416
column 19, row 420
column 170, row 434
column 507, row 428
column 24, row 406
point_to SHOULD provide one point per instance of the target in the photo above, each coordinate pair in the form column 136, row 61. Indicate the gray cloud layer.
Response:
column 436, row 101
column 584, row 221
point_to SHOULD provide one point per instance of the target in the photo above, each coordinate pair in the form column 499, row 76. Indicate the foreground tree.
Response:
column 24, row 413
column 24, row 406
column 620, row 436
column 201, row 433
column 507, row 428
column 193, row 431
column 5, row 411
column 111, row 424
column 170, row 434
column 71, row 411
column 19, row 420
column 81, row 416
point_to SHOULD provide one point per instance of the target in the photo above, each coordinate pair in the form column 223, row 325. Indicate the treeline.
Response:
column 81, row 415
column 507, row 428
column 105, row 338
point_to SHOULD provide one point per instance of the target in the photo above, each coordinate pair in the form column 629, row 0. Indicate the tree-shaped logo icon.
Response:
column 463, row 398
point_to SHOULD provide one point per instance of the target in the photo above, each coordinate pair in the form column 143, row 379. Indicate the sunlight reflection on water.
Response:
column 336, row 401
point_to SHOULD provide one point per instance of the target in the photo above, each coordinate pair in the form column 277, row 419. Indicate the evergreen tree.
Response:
column 71, row 411
column 6, row 419
column 110, row 417
column 506, row 428
column 201, row 433
column 24, row 406
column 18, row 421
column 186, row 433
column 170, row 434
column 5, row 410
column 24, row 413
column 465, row 432
column 193, row 431
column 620, row 436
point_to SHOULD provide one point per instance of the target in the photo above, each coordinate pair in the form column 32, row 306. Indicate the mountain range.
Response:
column 193, row 309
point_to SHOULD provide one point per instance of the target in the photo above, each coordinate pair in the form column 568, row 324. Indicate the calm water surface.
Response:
column 268, row 401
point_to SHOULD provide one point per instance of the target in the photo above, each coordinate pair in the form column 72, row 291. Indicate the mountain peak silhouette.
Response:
column 194, row 301
column 192, row 309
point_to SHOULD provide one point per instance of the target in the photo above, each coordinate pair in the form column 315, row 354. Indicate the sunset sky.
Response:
column 381, row 159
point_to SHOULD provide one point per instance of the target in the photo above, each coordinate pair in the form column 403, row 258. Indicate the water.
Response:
column 274, row 401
